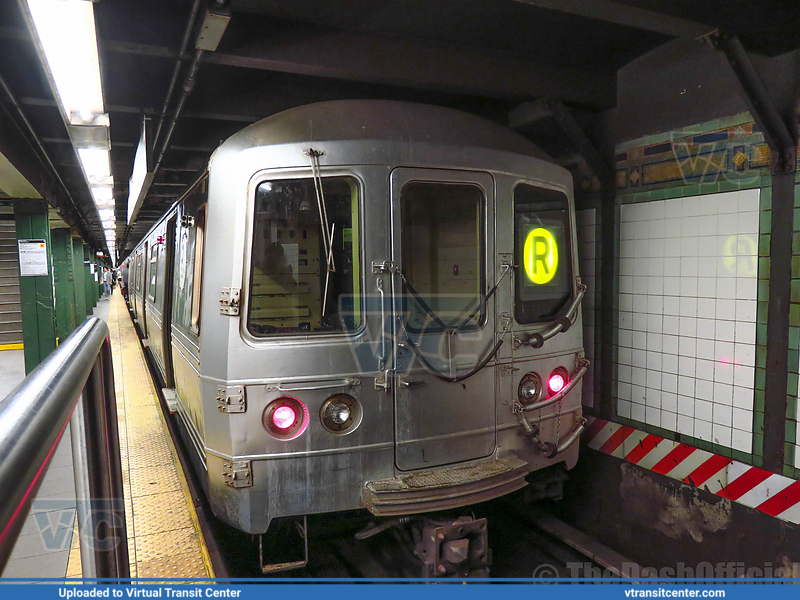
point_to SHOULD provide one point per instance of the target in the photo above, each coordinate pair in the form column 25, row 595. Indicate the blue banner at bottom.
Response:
column 430, row 590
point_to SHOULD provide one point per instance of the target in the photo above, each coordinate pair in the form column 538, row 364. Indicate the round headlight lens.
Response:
column 530, row 388
column 340, row 413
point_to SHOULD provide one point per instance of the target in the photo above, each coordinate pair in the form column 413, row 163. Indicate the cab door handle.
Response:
column 416, row 383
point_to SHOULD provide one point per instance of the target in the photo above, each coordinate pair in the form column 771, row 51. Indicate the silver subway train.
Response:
column 367, row 305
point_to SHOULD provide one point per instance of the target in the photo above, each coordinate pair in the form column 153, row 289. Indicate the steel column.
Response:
column 79, row 271
column 780, row 288
column 36, row 291
column 64, row 284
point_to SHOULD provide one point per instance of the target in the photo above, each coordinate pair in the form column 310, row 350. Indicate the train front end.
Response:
column 392, row 318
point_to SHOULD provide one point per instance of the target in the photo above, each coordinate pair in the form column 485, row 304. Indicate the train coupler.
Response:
column 458, row 548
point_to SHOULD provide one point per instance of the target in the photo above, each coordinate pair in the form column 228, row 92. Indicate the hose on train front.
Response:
column 432, row 370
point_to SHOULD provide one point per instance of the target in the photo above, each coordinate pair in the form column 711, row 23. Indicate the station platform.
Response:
column 164, row 536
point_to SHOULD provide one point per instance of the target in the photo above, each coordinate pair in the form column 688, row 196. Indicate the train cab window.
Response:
column 542, row 254
column 305, row 269
column 441, row 254
column 153, row 272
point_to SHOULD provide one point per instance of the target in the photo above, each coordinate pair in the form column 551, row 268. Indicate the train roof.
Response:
column 383, row 120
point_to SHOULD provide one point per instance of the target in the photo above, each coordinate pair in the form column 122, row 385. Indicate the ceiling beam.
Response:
column 629, row 16
column 378, row 59
column 369, row 58
column 137, row 110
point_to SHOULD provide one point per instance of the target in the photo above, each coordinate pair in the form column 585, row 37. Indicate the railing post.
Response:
column 98, row 475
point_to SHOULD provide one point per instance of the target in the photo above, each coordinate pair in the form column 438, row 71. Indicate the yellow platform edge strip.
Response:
column 11, row 347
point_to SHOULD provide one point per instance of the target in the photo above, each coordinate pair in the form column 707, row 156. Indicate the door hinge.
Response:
column 384, row 382
column 231, row 399
column 237, row 473
column 507, row 260
column 508, row 370
column 383, row 266
column 229, row 301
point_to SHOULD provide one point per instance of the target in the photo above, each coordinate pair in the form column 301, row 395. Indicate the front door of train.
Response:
column 443, row 326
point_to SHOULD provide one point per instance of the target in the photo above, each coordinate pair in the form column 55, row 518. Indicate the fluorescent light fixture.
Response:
column 96, row 165
column 68, row 39
column 106, row 214
column 103, row 196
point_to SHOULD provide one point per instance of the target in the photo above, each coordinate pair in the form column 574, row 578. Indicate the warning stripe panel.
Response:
column 764, row 491
column 603, row 434
column 773, row 494
column 689, row 464
column 743, row 484
column 707, row 470
column 781, row 501
column 643, row 448
column 616, row 439
column 671, row 460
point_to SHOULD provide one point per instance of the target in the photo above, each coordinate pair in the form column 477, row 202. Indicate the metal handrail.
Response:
column 33, row 417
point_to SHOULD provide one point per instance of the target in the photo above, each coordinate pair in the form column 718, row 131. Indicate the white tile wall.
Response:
column 586, row 221
column 687, row 313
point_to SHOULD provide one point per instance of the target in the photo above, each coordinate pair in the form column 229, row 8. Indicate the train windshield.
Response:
column 542, row 252
column 442, row 249
column 305, row 258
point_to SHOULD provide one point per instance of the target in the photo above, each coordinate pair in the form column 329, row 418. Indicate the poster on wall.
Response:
column 32, row 258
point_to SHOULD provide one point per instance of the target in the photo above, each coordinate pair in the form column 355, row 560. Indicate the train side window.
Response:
column 542, row 246
column 199, row 254
column 442, row 250
column 305, row 267
column 153, row 272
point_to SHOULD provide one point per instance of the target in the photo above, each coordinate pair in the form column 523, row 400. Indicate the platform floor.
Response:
column 164, row 538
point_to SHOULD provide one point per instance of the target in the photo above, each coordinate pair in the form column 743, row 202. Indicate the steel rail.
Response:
column 33, row 418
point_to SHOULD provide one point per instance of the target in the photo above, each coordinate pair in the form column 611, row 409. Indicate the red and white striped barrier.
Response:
column 775, row 495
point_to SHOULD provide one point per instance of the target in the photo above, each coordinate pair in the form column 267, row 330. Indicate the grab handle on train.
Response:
column 561, row 324
column 574, row 436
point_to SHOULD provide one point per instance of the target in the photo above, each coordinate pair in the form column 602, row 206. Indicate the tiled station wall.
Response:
column 687, row 315
column 692, row 275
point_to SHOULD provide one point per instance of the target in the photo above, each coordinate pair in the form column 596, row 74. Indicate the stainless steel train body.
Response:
column 361, row 305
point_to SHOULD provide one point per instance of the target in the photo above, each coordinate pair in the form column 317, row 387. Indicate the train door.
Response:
column 443, row 325
column 166, row 315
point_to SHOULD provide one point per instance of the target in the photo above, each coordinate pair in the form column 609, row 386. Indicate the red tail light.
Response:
column 285, row 418
column 558, row 380
column 556, row 383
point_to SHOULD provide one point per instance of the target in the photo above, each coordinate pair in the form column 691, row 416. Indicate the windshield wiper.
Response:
column 327, row 237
